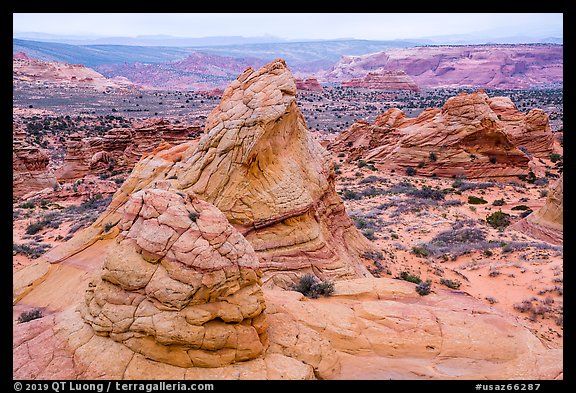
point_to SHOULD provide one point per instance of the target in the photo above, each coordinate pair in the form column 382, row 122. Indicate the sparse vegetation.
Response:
column 410, row 171
column 498, row 202
column 310, row 286
column 498, row 220
column 193, row 216
column 452, row 284
column 423, row 288
column 407, row 276
column 520, row 207
column 30, row 315
column 474, row 200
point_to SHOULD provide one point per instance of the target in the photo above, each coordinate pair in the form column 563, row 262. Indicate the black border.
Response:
column 430, row 7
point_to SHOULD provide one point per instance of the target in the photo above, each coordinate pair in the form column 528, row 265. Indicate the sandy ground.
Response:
column 527, row 270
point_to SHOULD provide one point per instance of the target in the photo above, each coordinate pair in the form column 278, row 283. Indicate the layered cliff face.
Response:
column 384, row 80
column 547, row 223
column 258, row 163
column 464, row 138
column 494, row 66
column 120, row 147
column 29, row 166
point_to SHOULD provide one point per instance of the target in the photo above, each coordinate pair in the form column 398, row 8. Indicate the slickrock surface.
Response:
column 258, row 163
column 311, row 84
column 29, row 166
column 369, row 329
column 465, row 137
column 120, row 147
column 179, row 285
column 384, row 80
column 547, row 223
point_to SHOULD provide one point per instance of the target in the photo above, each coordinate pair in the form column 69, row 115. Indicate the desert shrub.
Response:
column 341, row 154
column 555, row 157
column 529, row 178
column 420, row 251
column 30, row 315
column 520, row 207
column 541, row 181
column 474, row 200
column 423, row 288
column 407, row 276
column 498, row 219
column 350, row 194
column 369, row 233
column 35, row 227
column 108, row 226
column 32, row 250
column 410, row 171
column 312, row 287
column 373, row 255
column 193, row 216
column 452, row 284
column 492, row 159
column 491, row 299
column 421, row 164
column 427, row 193
column 370, row 192
column 498, row 202
column 27, row 205
column 361, row 163
column 543, row 193
column 465, row 185
column 432, row 156
column 453, row 202
column 372, row 179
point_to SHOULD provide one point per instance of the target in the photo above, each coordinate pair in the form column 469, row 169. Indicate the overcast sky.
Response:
column 291, row 26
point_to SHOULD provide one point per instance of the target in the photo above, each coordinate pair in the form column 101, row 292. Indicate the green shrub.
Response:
column 423, row 288
column 498, row 202
column 432, row 156
column 421, row 164
column 311, row 287
column 362, row 164
column 555, row 157
column 35, row 227
column 193, row 216
column 108, row 226
column 410, row 171
column 521, row 207
column 452, row 284
column 27, row 205
column 27, row 316
column 350, row 194
column 420, row 251
column 369, row 233
column 406, row 276
column 498, row 219
column 474, row 200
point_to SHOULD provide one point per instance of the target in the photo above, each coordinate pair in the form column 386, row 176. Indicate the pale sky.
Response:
column 376, row 26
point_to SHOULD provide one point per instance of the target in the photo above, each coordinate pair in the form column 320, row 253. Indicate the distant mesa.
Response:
column 384, row 80
column 482, row 66
column 472, row 135
column 547, row 223
column 28, row 70
column 310, row 84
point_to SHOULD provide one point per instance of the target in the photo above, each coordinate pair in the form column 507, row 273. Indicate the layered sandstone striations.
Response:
column 180, row 285
column 120, row 148
column 310, row 84
column 494, row 66
column 258, row 163
column 547, row 223
column 529, row 130
column 29, row 166
column 466, row 137
column 384, row 80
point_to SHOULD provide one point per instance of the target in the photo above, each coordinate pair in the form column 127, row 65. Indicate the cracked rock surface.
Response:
column 179, row 285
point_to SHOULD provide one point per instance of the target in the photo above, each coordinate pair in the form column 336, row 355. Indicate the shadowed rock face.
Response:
column 179, row 285
column 29, row 166
column 259, row 165
column 547, row 223
column 466, row 137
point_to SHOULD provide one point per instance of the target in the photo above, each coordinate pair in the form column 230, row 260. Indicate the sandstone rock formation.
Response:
column 27, row 70
column 29, row 166
column 384, row 80
column 547, row 223
column 179, row 285
column 311, row 84
column 258, row 164
column 529, row 130
column 494, row 66
column 369, row 329
column 120, row 147
column 464, row 138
